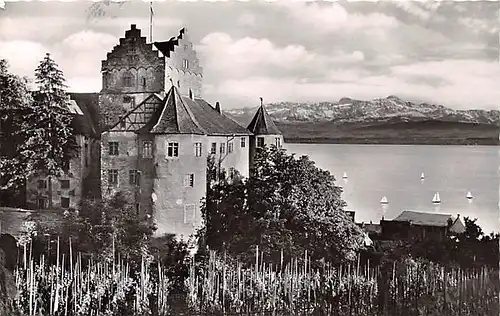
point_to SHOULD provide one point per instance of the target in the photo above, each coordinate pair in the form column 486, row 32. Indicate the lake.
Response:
column 394, row 171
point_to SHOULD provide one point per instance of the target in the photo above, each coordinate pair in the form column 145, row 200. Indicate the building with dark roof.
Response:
column 422, row 226
column 159, row 132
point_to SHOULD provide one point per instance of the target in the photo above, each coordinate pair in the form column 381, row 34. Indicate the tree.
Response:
column 48, row 132
column 288, row 205
column 15, row 103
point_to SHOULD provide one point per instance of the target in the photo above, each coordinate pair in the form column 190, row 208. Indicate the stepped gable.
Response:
column 169, row 46
column 262, row 124
column 174, row 117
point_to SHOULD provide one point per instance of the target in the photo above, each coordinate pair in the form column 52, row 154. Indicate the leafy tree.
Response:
column 15, row 102
column 288, row 205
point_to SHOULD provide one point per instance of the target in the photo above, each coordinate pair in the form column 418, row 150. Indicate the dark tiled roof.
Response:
column 88, row 123
column 169, row 46
column 174, row 117
column 213, row 122
column 424, row 219
column 262, row 124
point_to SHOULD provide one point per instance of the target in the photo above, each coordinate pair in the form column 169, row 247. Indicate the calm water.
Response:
column 394, row 171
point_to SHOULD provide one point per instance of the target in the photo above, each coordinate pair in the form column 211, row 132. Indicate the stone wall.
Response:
column 171, row 196
column 176, row 72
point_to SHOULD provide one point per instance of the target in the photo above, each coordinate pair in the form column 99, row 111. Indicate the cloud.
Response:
column 247, row 19
column 329, row 17
column 462, row 84
column 89, row 41
column 239, row 58
column 23, row 56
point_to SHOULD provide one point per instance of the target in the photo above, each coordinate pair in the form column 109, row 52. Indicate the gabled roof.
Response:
column 174, row 117
column 147, row 99
column 425, row 219
column 183, row 115
column 262, row 124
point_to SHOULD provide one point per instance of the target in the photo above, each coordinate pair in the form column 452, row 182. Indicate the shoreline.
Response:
column 394, row 141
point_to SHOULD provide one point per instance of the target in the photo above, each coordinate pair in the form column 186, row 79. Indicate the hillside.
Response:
column 389, row 120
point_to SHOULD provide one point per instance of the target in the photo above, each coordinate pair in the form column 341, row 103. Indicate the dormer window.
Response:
column 185, row 64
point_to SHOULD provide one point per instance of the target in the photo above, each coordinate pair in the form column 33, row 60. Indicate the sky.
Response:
column 441, row 52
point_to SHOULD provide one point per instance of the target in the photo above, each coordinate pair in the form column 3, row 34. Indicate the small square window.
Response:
column 260, row 141
column 113, row 176
column 173, row 149
column 113, row 148
column 243, row 142
column 64, row 202
column 42, row 184
column 197, row 149
column 213, row 149
column 64, row 184
column 134, row 177
column 147, row 148
column 189, row 180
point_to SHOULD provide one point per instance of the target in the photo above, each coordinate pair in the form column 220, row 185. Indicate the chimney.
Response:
column 191, row 96
column 217, row 106
column 133, row 26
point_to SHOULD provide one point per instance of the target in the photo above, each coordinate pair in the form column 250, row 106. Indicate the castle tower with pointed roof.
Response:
column 264, row 130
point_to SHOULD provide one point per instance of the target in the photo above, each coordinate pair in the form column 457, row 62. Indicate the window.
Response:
column 197, row 149
column 178, row 84
column 189, row 180
column 260, row 141
column 42, row 203
column 173, row 150
column 230, row 147
column 147, row 148
column 42, row 184
column 127, row 80
column 185, row 64
column 243, row 142
column 278, row 142
column 113, row 148
column 138, row 208
column 222, row 148
column 189, row 213
column 127, row 99
column 64, row 184
column 213, row 149
column 86, row 155
column 144, row 82
column 134, row 177
column 122, row 123
column 231, row 173
column 113, row 176
column 64, row 202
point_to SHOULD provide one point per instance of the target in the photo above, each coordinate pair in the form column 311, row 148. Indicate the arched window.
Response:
column 127, row 80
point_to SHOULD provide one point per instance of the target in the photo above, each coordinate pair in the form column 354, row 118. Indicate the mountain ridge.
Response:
column 391, row 109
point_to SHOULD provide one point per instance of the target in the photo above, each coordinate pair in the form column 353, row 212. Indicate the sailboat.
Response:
column 436, row 199
column 469, row 196
column 344, row 176
column 422, row 176
column 384, row 200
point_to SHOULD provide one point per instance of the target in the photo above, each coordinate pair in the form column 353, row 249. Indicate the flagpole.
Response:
column 151, row 21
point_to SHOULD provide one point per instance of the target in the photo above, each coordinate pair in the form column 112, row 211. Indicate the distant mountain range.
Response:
column 388, row 110
column 388, row 120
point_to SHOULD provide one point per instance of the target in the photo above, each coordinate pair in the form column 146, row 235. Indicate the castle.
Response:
column 156, row 135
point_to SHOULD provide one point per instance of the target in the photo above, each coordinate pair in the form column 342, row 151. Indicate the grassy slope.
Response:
column 425, row 132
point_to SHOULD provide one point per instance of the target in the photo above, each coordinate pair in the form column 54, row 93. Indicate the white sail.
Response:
column 469, row 195
column 384, row 200
column 345, row 175
column 422, row 176
column 436, row 198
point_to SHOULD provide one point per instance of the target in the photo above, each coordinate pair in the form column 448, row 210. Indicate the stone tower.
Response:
column 264, row 132
column 130, row 73
column 182, row 67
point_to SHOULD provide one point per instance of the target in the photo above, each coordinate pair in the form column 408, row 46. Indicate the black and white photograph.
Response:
column 241, row 158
